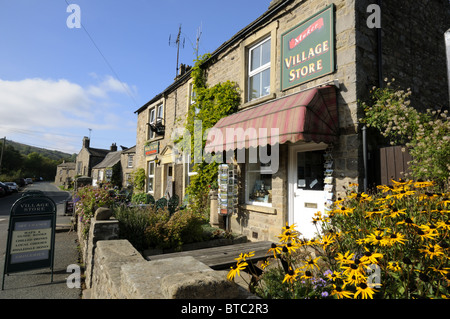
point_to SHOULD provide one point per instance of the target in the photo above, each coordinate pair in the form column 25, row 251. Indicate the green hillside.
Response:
column 51, row 154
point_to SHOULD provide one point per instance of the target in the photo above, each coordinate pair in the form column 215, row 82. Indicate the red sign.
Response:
column 313, row 27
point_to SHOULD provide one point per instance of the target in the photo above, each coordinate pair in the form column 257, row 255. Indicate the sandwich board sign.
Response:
column 31, row 234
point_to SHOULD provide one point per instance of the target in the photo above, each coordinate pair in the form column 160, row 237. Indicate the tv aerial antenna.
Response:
column 177, row 43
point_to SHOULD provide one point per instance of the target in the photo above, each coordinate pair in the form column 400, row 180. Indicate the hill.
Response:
column 51, row 154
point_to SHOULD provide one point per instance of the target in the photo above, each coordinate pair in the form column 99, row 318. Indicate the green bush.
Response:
column 172, row 232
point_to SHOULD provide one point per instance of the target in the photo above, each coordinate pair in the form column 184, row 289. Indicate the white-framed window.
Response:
column 190, row 170
column 151, row 177
column 259, row 70
column 130, row 160
column 258, row 183
column 154, row 114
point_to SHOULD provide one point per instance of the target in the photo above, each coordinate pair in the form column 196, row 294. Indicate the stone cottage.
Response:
column 301, row 68
column 65, row 174
column 88, row 157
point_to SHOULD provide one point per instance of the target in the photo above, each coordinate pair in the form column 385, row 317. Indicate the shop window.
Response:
column 259, row 70
column 151, row 177
column 258, row 184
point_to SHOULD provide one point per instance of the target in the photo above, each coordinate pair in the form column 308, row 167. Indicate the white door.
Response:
column 307, row 195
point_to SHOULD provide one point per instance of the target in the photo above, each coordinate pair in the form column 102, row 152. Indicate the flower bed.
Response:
column 393, row 243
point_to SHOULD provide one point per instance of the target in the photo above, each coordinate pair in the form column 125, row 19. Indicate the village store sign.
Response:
column 307, row 50
column 31, row 235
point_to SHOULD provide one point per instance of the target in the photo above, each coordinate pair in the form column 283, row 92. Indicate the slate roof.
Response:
column 110, row 160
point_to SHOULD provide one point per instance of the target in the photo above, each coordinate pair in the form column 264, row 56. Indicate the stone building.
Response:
column 103, row 171
column 88, row 157
column 127, row 160
column 301, row 68
column 65, row 174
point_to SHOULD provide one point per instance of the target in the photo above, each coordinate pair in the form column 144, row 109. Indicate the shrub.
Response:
column 87, row 199
column 390, row 244
column 425, row 134
column 167, row 231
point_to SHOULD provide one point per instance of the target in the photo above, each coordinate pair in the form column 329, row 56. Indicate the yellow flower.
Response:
column 375, row 211
column 291, row 276
column 275, row 249
column 307, row 275
column 395, row 213
column 235, row 270
column 376, row 238
column 371, row 257
column 355, row 267
column 327, row 240
column 420, row 184
column 394, row 266
column 334, row 275
column 364, row 290
column 395, row 238
column 355, row 279
column 242, row 257
column 289, row 234
column 432, row 234
column 311, row 263
column 432, row 250
column 401, row 183
column 344, row 258
column 385, row 188
column 340, row 293
column 344, row 210
column 265, row 264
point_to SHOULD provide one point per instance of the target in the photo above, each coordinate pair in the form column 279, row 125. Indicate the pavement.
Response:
column 36, row 284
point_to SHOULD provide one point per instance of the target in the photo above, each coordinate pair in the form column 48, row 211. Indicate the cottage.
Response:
column 65, row 174
column 301, row 68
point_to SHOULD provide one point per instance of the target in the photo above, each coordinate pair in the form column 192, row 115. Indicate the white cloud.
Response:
column 61, row 106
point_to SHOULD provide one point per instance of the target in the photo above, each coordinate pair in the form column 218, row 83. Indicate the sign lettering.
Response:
column 308, row 50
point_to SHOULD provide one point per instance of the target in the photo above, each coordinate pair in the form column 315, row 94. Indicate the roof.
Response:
column 273, row 9
column 69, row 165
column 129, row 150
column 98, row 152
column 110, row 160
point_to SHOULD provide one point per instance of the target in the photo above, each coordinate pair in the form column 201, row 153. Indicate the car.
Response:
column 12, row 186
column 5, row 188
column 29, row 180
column 2, row 192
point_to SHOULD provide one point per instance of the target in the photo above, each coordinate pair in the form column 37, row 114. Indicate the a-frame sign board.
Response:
column 31, row 234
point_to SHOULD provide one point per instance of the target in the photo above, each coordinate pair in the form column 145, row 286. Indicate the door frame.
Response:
column 292, row 171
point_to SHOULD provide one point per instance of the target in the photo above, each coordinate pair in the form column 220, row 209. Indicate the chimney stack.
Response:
column 113, row 147
column 86, row 142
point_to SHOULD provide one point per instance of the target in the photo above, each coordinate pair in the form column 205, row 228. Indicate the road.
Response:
column 36, row 284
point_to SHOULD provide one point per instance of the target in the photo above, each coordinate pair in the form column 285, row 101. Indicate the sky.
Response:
column 61, row 81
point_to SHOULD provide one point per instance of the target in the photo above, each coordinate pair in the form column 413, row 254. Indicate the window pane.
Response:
column 255, row 86
column 255, row 58
column 265, row 85
column 259, row 188
column 150, row 184
column 151, row 168
column 160, row 111
column 152, row 115
column 265, row 52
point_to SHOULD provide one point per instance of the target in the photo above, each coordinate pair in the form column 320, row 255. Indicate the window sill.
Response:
column 258, row 101
column 259, row 209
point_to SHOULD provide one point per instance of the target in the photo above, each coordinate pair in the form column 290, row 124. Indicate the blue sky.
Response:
column 56, row 84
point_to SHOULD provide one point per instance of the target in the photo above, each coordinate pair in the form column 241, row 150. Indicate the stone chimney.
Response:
column 86, row 142
column 113, row 147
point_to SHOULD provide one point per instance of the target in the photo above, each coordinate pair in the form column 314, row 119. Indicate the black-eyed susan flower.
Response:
column 395, row 212
column 396, row 238
column 235, row 270
column 291, row 276
column 401, row 183
column 394, row 266
column 443, row 225
column 344, row 258
column 307, row 275
column 375, row 238
column 340, row 293
column 365, row 291
column 355, row 279
column 334, row 275
column 385, row 188
column 344, row 210
column 327, row 240
column 432, row 251
column 421, row 184
column 407, row 222
column 375, row 211
column 311, row 263
column 371, row 257
column 290, row 247
column 424, row 235
column 275, row 250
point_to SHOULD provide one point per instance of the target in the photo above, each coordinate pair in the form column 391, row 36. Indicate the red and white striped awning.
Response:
column 306, row 116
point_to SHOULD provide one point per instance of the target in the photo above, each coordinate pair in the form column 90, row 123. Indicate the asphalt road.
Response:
column 36, row 284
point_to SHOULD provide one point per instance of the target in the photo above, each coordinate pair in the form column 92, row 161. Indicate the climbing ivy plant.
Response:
column 210, row 105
